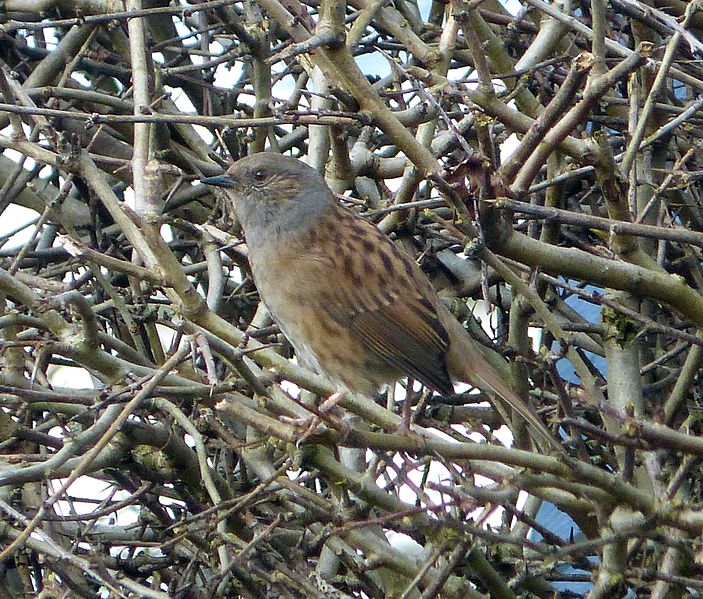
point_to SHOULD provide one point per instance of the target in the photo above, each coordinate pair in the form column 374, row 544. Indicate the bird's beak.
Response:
column 219, row 181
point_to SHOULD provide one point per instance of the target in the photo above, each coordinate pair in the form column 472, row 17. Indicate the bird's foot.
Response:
column 309, row 424
column 331, row 402
column 305, row 424
column 406, row 419
column 403, row 428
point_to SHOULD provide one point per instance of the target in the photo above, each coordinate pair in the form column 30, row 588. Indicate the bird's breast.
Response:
column 297, row 287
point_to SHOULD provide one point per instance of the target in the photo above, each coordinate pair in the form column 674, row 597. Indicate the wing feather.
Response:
column 383, row 296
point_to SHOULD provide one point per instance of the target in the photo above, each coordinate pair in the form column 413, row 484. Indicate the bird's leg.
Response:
column 412, row 398
column 306, row 424
column 329, row 404
column 404, row 426
column 309, row 423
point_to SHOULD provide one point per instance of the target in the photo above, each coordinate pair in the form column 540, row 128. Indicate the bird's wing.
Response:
column 409, row 337
column 382, row 295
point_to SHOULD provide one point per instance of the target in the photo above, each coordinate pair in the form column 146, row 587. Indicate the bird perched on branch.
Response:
column 355, row 307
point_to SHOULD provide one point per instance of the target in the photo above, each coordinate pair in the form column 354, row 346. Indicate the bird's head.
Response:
column 273, row 194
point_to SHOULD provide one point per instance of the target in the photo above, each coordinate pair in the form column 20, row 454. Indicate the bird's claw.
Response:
column 331, row 402
column 306, row 424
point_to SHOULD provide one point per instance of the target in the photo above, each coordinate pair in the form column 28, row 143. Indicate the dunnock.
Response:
column 354, row 307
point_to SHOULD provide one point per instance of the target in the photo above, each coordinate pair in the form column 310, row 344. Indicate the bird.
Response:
column 355, row 307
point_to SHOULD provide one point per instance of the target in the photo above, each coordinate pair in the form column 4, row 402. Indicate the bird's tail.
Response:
column 466, row 363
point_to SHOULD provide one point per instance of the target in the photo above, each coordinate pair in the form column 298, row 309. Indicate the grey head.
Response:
column 274, row 195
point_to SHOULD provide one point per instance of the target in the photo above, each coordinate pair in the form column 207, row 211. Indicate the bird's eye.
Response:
column 260, row 176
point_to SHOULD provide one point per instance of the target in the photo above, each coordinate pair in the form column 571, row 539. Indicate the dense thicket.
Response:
column 544, row 160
